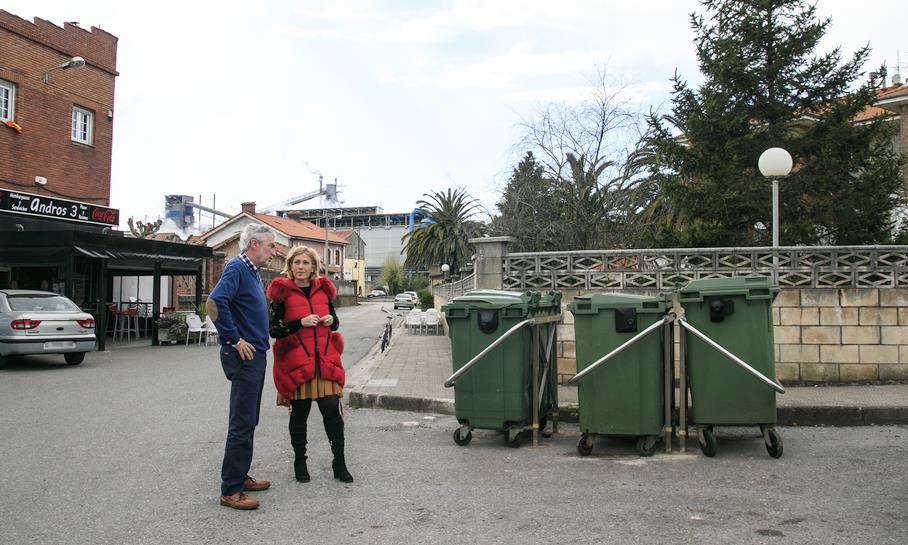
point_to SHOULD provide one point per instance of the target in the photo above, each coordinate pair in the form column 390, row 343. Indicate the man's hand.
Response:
column 245, row 350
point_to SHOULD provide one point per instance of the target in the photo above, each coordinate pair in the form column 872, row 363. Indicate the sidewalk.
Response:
column 410, row 376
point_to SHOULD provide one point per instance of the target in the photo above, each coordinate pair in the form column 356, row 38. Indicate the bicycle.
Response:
column 386, row 336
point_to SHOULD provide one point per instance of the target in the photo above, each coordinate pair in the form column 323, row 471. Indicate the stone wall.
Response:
column 821, row 335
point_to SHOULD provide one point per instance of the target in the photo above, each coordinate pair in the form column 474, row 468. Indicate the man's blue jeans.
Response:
column 247, row 378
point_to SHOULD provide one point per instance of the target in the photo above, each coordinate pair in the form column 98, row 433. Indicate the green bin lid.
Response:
column 751, row 287
column 594, row 302
column 494, row 299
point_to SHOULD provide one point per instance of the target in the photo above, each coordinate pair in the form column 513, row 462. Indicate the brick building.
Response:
column 60, row 129
column 56, row 137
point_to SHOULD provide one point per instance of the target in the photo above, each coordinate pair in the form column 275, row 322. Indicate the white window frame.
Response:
column 337, row 257
column 7, row 102
column 83, row 125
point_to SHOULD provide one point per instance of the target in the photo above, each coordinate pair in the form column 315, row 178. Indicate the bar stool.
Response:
column 111, row 320
column 127, row 322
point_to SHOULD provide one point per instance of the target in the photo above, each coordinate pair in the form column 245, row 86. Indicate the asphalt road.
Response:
column 126, row 449
column 362, row 327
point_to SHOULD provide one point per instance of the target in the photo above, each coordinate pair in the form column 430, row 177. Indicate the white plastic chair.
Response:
column 210, row 330
column 195, row 326
column 432, row 320
column 414, row 320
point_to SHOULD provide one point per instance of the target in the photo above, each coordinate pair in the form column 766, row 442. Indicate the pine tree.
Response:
column 528, row 209
column 766, row 86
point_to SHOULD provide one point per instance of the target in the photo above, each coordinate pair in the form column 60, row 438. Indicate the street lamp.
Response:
column 775, row 163
column 445, row 268
column 75, row 62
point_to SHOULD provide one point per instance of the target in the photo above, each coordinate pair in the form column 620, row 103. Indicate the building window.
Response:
column 83, row 125
column 337, row 257
column 7, row 101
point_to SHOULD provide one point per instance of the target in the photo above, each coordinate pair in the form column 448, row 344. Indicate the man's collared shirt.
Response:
column 249, row 263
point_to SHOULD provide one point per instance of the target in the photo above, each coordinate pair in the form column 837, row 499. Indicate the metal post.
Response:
column 535, row 396
column 669, row 383
column 682, row 398
column 775, row 213
column 553, row 374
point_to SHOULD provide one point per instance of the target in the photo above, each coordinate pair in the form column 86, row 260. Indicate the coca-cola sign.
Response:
column 28, row 204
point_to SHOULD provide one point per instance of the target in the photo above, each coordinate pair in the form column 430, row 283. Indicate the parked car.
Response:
column 41, row 322
column 376, row 293
column 412, row 295
column 403, row 300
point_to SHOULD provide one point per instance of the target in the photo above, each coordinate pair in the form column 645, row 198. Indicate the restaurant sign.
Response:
column 28, row 204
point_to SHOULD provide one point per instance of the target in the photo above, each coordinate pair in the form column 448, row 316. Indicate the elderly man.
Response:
column 240, row 313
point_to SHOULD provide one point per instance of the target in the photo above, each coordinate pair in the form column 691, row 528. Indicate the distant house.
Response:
column 224, row 240
column 892, row 103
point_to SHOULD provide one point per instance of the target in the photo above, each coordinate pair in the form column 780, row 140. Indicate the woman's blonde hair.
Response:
column 297, row 250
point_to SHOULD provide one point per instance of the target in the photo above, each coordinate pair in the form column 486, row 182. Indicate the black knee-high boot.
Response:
column 334, row 429
column 299, row 414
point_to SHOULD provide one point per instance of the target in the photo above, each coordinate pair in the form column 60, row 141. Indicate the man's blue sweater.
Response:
column 242, row 308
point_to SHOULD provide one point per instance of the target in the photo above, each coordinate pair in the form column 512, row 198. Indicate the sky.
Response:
column 252, row 100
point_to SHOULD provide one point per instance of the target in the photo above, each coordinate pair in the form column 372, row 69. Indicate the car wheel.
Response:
column 74, row 358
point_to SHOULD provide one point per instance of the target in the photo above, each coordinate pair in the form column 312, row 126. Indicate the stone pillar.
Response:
column 490, row 252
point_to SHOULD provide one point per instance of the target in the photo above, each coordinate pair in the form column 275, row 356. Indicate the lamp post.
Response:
column 775, row 163
column 75, row 62
column 445, row 268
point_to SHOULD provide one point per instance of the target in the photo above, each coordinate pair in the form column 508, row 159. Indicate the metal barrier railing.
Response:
column 541, row 385
column 476, row 359
column 719, row 348
column 630, row 342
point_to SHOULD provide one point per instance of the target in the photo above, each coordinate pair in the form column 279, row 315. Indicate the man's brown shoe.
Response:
column 239, row 501
column 251, row 485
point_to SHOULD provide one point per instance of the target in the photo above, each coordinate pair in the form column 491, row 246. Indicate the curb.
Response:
column 570, row 413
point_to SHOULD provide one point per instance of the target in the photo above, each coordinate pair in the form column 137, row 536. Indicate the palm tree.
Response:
column 450, row 225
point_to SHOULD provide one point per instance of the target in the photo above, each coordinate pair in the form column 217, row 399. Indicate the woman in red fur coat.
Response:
column 307, row 355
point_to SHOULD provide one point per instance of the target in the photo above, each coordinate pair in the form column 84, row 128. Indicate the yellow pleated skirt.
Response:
column 313, row 389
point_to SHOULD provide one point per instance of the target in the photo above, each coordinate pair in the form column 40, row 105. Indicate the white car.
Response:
column 403, row 300
column 41, row 322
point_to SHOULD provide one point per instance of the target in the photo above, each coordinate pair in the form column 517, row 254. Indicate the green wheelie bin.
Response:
column 736, row 313
column 625, row 395
column 496, row 393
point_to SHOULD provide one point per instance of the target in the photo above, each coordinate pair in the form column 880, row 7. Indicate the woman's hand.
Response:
column 309, row 321
column 327, row 320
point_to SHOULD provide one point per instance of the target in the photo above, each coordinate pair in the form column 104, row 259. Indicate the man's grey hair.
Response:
column 253, row 231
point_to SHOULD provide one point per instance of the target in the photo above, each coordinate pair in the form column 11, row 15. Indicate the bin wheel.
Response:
column 515, row 442
column 646, row 445
column 585, row 445
column 465, row 440
column 708, row 442
column 774, row 446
